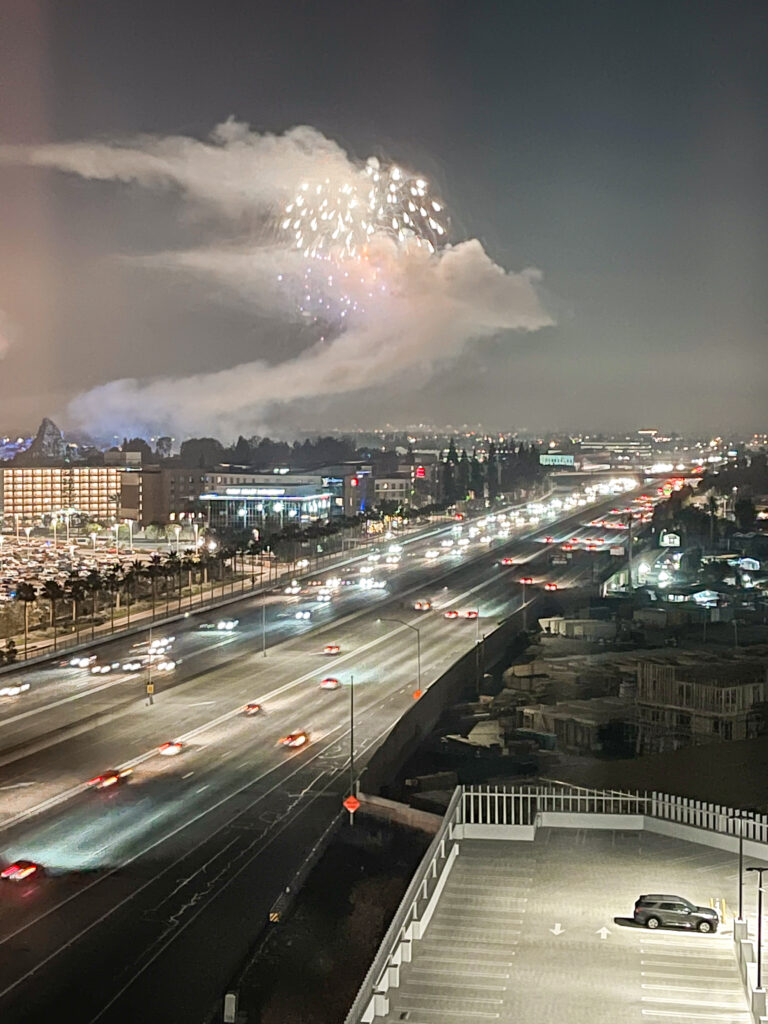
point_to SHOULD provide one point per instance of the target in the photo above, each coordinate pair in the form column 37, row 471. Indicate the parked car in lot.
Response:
column 657, row 911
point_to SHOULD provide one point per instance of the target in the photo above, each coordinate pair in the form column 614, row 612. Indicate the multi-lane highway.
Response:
column 151, row 890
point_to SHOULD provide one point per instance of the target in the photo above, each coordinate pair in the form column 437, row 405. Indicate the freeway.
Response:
column 153, row 890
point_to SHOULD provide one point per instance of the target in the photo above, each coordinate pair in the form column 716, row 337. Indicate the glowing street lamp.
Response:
column 177, row 531
column 116, row 528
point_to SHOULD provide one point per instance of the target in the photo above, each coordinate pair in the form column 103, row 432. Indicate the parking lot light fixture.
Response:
column 759, row 871
column 743, row 813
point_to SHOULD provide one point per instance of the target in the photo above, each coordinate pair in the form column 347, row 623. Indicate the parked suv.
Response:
column 655, row 911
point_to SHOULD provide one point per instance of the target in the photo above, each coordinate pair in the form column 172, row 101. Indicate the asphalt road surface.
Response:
column 154, row 890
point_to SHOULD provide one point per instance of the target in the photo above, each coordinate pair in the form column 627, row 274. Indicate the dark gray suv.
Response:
column 655, row 911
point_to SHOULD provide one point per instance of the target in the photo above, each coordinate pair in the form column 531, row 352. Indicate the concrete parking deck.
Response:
column 541, row 931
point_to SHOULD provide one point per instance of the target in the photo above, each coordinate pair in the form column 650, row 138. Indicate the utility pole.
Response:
column 263, row 621
column 629, row 551
column 351, row 743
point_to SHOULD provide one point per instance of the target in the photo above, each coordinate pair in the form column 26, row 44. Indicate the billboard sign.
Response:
column 669, row 540
column 556, row 459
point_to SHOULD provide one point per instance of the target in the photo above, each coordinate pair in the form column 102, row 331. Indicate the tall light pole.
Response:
column 130, row 534
column 177, row 531
column 27, row 530
column 116, row 528
column 415, row 629
column 54, row 524
column 351, row 744
column 759, row 923
column 740, row 815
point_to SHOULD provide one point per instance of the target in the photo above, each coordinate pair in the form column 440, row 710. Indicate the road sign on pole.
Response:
column 352, row 804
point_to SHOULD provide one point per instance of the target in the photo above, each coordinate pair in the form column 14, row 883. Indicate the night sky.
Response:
column 619, row 147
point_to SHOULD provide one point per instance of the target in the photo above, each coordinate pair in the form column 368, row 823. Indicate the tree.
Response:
column 151, row 571
column 138, row 444
column 462, row 476
column 93, row 584
column 201, row 452
column 27, row 594
column 492, row 473
column 75, row 592
column 53, row 592
column 744, row 510
column 242, row 454
column 113, row 581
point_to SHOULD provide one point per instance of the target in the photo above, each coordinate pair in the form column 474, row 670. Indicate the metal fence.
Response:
column 519, row 805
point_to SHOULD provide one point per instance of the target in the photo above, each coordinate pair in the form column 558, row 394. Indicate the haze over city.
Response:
column 637, row 198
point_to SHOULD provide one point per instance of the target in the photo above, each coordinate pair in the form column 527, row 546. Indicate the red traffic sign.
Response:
column 416, row 694
column 352, row 803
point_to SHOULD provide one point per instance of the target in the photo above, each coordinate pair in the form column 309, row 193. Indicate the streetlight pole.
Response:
column 177, row 531
column 264, row 621
column 741, row 814
column 759, row 923
column 525, row 609
column 351, row 743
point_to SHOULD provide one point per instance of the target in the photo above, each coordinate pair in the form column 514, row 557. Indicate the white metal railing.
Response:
column 416, row 899
column 519, row 805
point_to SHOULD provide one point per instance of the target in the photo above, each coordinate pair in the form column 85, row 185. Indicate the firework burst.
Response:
column 339, row 219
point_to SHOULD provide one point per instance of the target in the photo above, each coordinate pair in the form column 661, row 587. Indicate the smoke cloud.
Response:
column 424, row 309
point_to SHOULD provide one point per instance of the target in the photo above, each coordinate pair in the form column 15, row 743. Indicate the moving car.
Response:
column 506, row 561
column 295, row 739
column 82, row 660
column 19, row 870
column 471, row 613
column 171, row 748
column 550, row 586
column 111, row 777
column 329, row 683
column 527, row 580
column 13, row 689
column 422, row 606
column 655, row 911
column 303, row 615
column 252, row 708
column 331, row 649
column 451, row 614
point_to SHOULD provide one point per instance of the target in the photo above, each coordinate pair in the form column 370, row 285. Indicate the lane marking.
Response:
column 187, row 776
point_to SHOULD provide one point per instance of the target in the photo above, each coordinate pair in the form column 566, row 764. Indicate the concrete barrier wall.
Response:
column 410, row 731
column 400, row 814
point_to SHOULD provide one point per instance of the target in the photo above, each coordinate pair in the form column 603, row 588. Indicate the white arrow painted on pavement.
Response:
column 603, row 932
column 558, row 929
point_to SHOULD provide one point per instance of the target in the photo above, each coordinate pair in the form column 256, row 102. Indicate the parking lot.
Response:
column 543, row 931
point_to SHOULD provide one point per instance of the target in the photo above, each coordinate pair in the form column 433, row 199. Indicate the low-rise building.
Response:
column 704, row 703
column 591, row 726
column 33, row 492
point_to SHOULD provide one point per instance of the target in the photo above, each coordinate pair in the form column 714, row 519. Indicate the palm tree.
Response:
column 26, row 592
column 93, row 584
column 53, row 592
column 187, row 563
column 151, row 571
column 130, row 576
column 172, row 571
column 113, row 581
column 76, row 592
